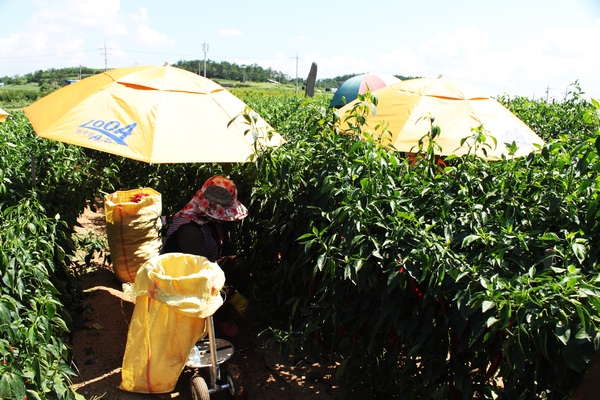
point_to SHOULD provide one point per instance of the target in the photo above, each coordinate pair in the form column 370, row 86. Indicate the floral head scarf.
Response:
column 217, row 198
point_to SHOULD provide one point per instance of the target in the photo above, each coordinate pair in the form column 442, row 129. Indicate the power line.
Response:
column 48, row 55
column 135, row 52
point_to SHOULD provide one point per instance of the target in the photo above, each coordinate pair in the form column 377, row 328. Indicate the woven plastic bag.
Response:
column 133, row 229
column 174, row 294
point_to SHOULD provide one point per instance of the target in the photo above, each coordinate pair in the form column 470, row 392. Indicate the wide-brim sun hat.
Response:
column 218, row 199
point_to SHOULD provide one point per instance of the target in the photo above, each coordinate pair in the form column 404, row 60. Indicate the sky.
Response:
column 532, row 48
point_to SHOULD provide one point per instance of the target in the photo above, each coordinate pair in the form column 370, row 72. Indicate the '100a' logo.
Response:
column 95, row 129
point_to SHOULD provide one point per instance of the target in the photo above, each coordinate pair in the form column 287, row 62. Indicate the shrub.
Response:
column 477, row 279
column 44, row 186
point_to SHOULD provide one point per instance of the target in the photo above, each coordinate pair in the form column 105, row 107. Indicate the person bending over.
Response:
column 199, row 229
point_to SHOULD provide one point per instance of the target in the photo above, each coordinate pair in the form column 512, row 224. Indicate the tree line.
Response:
column 52, row 78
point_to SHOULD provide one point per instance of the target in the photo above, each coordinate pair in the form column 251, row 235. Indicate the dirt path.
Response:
column 98, row 349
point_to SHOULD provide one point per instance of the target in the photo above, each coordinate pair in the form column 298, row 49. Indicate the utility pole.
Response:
column 205, row 50
column 296, row 72
column 105, row 54
column 105, row 58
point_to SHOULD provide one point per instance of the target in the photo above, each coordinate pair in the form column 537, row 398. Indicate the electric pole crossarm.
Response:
column 205, row 50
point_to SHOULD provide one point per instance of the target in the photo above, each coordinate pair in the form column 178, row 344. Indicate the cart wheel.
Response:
column 234, row 379
column 199, row 388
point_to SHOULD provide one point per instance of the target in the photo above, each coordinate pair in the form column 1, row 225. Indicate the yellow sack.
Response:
column 174, row 294
column 132, row 229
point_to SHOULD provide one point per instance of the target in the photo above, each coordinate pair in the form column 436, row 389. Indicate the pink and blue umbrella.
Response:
column 351, row 88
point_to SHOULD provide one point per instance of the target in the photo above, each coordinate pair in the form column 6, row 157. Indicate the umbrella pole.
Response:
column 161, row 184
column 33, row 169
column 161, row 187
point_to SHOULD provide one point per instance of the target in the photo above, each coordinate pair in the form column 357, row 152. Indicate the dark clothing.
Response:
column 212, row 241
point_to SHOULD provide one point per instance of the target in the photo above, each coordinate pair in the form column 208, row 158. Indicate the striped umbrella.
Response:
column 351, row 88
column 3, row 115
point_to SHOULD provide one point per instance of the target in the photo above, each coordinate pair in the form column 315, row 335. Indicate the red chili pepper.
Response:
column 453, row 341
column 393, row 341
column 136, row 198
column 309, row 285
column 454, row 392
column 493, row 366
column 415, row 288
column 413, row 284
column 320, row 340
column 443, row 307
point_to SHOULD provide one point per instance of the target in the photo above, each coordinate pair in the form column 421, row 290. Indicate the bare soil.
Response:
column 99, row 345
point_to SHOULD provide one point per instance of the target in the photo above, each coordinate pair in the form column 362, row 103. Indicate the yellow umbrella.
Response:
column 456, row 107
column 156, row 114
column 3, row 115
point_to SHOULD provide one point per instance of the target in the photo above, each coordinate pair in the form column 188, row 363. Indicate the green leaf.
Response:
column 340, row 371
column 563, row 333
column 550, row 236
column 12, row 386
column 580, row 251
column 469, row 239
column 321, row 261
column 487, row 305
column 583, row 335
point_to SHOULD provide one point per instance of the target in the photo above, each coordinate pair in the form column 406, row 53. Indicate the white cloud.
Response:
column 8, row 43
column 79, row 16
column 35, row 42
column 441, row 53
column 401, row 60
column 571, row 41
column 552, row 60
column 230, row 32
column 463, row 45
column 148, row 37
column 524, row 57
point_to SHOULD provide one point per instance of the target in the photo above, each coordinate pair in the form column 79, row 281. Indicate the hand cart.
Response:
column 210, row 353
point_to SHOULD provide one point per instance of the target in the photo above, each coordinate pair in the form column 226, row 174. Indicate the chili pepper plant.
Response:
column 462, row 279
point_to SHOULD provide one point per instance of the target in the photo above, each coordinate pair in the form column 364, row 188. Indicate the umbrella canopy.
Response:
column 456, row 107
column 156, row 114
column 3, row 115
column 351, row 88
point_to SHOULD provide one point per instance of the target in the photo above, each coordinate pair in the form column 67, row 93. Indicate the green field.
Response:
column 28, row 86
column 473, row 280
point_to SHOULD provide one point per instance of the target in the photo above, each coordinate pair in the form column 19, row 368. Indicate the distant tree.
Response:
column 229, row 71
column 37, row 76
column 339, row 80
column 224, row 70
